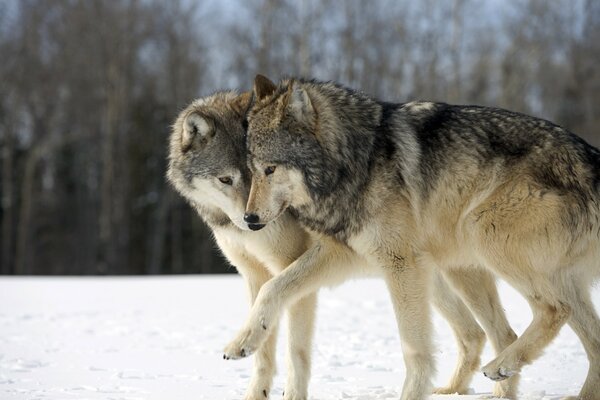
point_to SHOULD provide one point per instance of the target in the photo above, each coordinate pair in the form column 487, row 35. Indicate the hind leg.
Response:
column 586, row 324
column 477, row 288
column 301, row 328
column 470, row 338
column 549, row 315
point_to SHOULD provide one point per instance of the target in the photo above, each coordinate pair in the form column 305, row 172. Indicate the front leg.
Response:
column 318, row 266
column 255, row 275
column 261, row 323
column 259, row 387
column 301, row 318
column 408, row 284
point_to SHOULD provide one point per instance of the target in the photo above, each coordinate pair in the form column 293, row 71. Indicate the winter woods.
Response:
column 88, row 90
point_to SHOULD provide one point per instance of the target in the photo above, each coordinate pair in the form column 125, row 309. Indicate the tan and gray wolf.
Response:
column 207, row 165
column 421, row 184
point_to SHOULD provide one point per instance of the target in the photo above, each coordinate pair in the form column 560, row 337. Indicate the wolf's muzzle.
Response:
column 256, row 227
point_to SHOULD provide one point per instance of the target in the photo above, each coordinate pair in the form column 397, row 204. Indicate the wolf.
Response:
column 421, row 186
column 208, row 167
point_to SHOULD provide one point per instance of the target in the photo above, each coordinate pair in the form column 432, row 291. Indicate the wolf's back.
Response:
column 484, row 136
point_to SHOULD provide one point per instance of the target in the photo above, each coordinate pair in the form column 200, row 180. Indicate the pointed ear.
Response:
column 299, row 102
column 263, row 87
column 241, row 103
column 194, row 125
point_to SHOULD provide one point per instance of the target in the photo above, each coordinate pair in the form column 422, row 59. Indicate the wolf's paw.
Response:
column 259, row 387
column 260, row 395
column 450, row 390
column 498, row 371
column 294, row 395
column 506, row 389
column 246, row 342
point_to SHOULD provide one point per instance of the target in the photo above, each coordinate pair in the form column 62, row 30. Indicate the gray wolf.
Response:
column 208, row 166
column 419, row 186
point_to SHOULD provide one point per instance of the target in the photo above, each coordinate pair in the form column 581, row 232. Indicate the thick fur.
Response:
column 419, row 185
column 208, row 144
column 197, row 160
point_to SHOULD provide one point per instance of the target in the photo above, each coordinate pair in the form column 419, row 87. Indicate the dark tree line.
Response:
column 88, row 90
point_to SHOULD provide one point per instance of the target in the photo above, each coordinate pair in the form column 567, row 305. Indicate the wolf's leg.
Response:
column 548, row 317
column 477, row 288
column 470, row 338
column 586, row 324
column 321, row 265
column 264, row 364
column 409, row 291
column 301, row 328
column 264, row 369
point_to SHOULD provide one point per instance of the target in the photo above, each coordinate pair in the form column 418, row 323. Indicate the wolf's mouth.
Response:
column 256, row 227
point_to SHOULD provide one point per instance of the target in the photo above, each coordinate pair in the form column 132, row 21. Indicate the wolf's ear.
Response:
column 194, row 125
column 299, row 103
column 241, row 103
column 263, row 87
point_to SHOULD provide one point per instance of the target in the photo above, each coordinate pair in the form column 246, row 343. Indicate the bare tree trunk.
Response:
column 46, row 145
column 7, row 205
column 264, row 47
column 456, row 50
column 106, row 250
column 349, row 41
column 159, row 234
column 23, row 255
column 304, row 40
column 176, row 240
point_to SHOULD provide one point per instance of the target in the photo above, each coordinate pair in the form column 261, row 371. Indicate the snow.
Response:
column 162, row 338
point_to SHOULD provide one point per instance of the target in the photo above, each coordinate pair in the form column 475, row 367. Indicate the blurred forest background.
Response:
column 88, row 89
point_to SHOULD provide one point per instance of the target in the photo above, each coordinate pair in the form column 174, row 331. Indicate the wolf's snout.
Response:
column 252, row 221
column 251, row 218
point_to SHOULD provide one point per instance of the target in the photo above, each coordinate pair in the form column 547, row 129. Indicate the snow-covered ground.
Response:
column 162, row 338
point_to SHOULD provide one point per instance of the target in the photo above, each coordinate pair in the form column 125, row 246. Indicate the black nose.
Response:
column 251, row 218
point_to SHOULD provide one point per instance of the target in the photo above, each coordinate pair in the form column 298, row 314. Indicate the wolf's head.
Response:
column 283, row 148
column 207, row 157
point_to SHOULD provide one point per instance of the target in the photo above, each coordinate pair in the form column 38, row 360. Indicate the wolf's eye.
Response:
column 226, row 180
column 269, row 170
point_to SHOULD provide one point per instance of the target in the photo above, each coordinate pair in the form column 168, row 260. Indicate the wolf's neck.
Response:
column 212, row 216
column 343, row 109
column 351, row 132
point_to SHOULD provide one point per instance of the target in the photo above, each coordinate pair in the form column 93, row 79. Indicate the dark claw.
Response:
column 500, row 378
column 265, row 392
column 225, row 357
column 264, row 326
column 243, row 353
